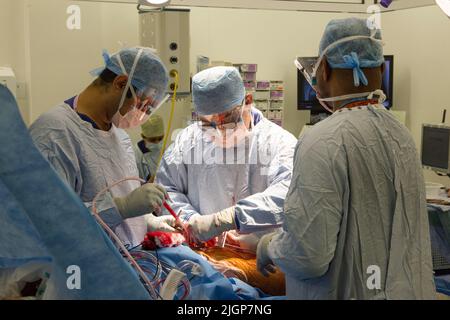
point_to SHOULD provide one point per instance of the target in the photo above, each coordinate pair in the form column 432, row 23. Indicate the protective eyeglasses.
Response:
column 145, row 101
column 306, row 67
column 224, row 121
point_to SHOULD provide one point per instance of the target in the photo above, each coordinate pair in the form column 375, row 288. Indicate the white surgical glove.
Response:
column 263, row 262
column 247, row 242
column 143, row 200
column 162, row 223
column 206, row 227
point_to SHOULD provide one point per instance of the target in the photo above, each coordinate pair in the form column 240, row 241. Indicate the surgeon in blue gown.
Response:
column 45, row 229
column 356, row 222
column 231, row 170
column 85, row 142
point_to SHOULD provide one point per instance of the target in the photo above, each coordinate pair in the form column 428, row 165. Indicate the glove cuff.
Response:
column 225, row 220
column 120, row 205
column 149, row 218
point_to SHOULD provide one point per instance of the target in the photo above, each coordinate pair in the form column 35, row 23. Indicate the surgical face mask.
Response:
column 310, row 74
column 129, row 120
column 154, row 147
column 144, row 102
column 138, row 115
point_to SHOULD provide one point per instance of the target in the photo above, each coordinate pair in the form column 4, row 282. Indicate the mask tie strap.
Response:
column 352, row 61
column 130, row 76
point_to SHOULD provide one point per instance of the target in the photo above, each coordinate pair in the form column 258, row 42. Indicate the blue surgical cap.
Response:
column 150, row 72
column 354, row 54
column 217, row 90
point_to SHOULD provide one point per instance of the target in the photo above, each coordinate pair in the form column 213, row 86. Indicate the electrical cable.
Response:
column 142, row 261
column 173, row 74
column 118, row 242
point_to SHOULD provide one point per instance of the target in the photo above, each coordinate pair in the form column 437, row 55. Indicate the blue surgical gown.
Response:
column 89, row 160
column 356, row 220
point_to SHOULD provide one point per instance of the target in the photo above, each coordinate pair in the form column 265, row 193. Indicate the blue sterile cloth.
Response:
column 20, row 242
column 439, row 218
column 443, row 284
column 41, row 218
column 212, row 285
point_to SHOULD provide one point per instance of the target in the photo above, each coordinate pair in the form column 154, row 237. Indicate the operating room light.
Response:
column 445, row 6
column 156, row 3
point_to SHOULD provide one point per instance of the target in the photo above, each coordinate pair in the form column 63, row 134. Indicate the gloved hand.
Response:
column 206, row 227
column 143, row 200
column 163, row 223
column 247, row 242
column 263, row 262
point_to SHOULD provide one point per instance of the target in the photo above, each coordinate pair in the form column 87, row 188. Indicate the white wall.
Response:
column 14, row 47
column 61, row 58
column 6, row 36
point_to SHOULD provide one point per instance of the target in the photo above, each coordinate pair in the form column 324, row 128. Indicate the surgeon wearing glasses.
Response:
column 85, row 141
column 230, row 170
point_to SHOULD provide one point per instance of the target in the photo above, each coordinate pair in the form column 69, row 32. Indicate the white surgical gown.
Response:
column 258, row 187
column 356, row 220
column 89, row 160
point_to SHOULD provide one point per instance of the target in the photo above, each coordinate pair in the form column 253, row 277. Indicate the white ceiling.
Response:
column 293, row 5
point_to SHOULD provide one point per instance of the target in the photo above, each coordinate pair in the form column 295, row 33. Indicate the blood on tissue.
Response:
column 158, row 239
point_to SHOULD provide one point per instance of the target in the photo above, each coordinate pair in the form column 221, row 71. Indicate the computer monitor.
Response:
column 306, row 96
column 436, row 147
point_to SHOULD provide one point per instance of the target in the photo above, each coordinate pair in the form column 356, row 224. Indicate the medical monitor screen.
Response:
column 435, row 147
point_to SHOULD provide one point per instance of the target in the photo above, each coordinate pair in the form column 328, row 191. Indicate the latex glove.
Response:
column 162, row 223
column 263, row 262
column 247, row 242
column 143, row 200
column 206, row 227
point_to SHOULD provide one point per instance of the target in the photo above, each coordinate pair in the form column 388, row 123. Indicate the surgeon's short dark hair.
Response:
column 107, row 76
